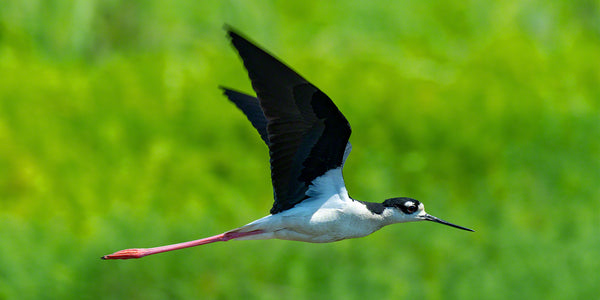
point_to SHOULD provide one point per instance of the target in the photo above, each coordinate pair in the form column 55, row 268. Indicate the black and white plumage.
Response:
column 307, row 137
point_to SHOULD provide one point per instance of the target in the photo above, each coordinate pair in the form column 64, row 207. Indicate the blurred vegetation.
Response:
column 113, row 134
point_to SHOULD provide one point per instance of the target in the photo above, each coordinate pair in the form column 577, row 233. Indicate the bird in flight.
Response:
column 307, row 137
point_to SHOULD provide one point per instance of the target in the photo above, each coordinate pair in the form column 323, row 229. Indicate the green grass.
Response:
column 488, row 112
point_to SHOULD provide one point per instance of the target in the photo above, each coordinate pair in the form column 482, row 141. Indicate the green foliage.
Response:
column 113, row 134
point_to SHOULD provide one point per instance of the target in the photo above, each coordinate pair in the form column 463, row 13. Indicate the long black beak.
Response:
column 429, row 217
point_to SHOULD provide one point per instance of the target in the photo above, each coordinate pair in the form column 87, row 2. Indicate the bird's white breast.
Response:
column 328, row 215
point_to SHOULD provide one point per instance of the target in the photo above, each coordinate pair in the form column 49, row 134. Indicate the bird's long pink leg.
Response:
column 141, row 252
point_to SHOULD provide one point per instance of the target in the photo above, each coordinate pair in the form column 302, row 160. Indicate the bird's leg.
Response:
column 141, row 252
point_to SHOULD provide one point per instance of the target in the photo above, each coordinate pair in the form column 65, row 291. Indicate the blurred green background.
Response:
column 113, row 134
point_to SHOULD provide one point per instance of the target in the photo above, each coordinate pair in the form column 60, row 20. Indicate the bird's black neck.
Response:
column 374, row 207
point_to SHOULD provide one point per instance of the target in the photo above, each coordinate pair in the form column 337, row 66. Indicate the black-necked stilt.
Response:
column 308, row 144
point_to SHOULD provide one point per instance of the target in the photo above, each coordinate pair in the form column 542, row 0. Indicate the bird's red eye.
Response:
column 410, row 207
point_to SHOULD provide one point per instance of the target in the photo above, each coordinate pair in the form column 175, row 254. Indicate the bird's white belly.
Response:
column 320, row 226
column 328, row 215
column 325, row 226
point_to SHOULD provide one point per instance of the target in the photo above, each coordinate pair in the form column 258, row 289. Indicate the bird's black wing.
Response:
column 250, row 107
column 307, row 133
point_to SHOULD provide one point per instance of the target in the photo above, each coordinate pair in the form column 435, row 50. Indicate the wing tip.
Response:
column 224, row 89
column 232, row 32
column 227, row 91
column 228, row 28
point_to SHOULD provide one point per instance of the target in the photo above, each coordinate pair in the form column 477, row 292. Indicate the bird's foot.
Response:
column 127, row 254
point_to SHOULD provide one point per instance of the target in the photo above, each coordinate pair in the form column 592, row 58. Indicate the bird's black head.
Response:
column 404, row 204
